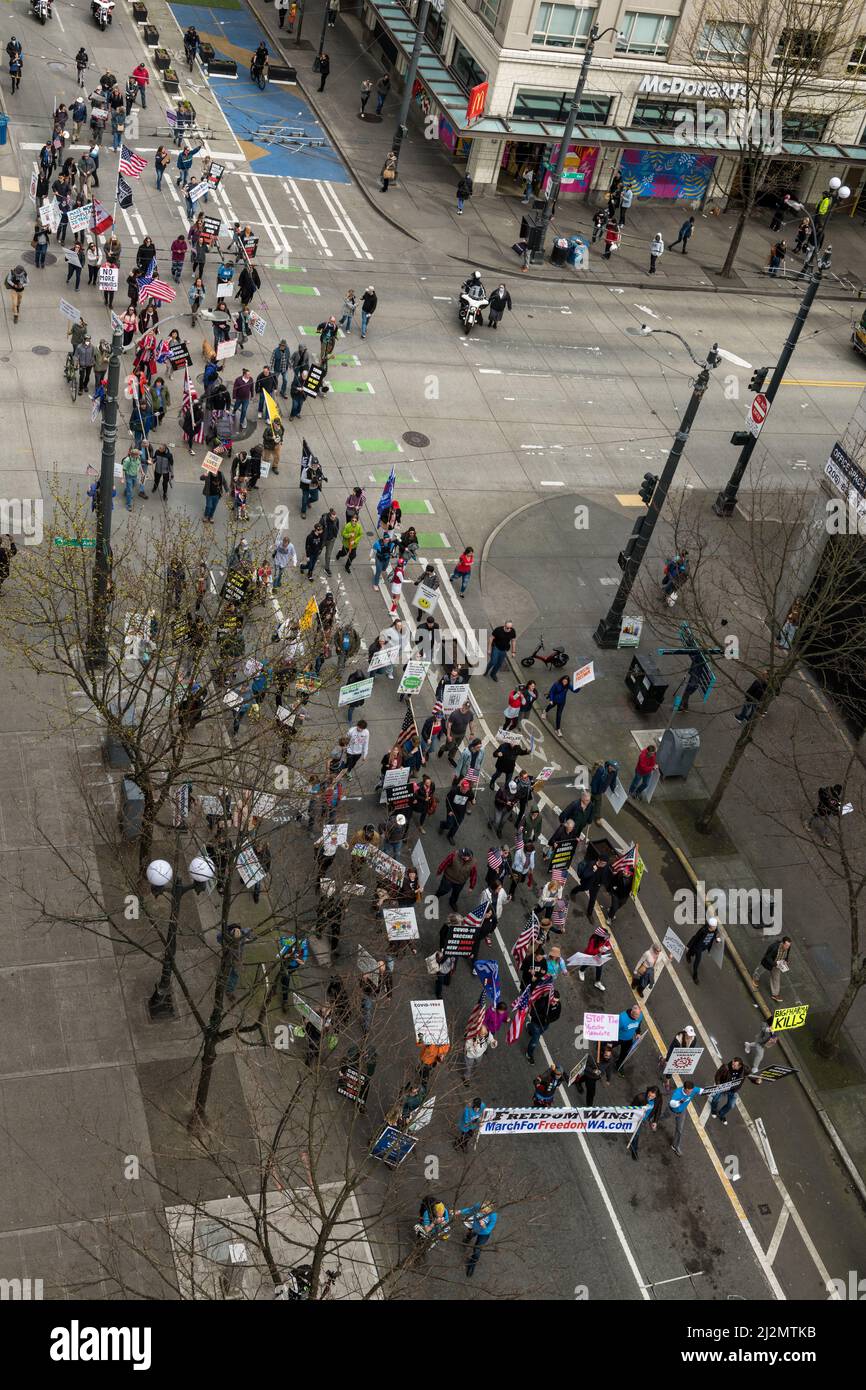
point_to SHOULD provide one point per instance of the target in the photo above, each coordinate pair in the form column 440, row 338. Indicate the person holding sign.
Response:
column 775, row 962
column 731, row 1074
column 556, row 698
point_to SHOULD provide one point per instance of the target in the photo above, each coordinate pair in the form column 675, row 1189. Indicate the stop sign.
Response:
column 760, row 406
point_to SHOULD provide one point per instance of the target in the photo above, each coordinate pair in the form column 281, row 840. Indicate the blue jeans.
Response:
column 381, row 566
column 39, row 257
column 240, row 408
column 480, row 1242
column 365, row 319
column 176, row 270
column 723, row 1104
column 534, row 1032
column 639, row 783
column 116, row 139
column 160, row 171
column 380, row 102
column 494, row 662
column 182, row 178
column 142, row 95
column 297, row 402
column 232, row 981
column 459, row 202
column 745, row 714
column 283, row 376
column 210, row 505
column 393, row 847
column 346, row 323
column 128, row 485
column 464, row 580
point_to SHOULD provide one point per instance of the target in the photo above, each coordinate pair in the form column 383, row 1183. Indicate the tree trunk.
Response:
column 210, row 1042
column 728, row 268
column 830, row 1039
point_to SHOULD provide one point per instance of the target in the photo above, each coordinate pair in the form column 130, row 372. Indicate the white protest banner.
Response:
column 79, row 218
column 616, row 796
column 211, row 463
column 600, row 1027
column 560, row 1119
column 257, row 323
column 386, row 657
column 717, row 951
column 358, row 690
column 333, row 836
column 419, row 859
column 306, row 1011
column 33, row 183
column 413, row 677
column 401, row 923
column 581, row 959
column 673, row 945
column 73, row 259
column 423, row 1115
column 546, row 773
column 583, row 675
column 578, row 1069
column 683, row 1060
column 49, row 215
column 227, row 348
column 198, row 190
column 69, row 311
column 109, row 277
column 225, row 290
column 708, row 1092
column 385, row 867
column 249, row 868
column 453, row 696
column 429, row 1022
column 426, row 598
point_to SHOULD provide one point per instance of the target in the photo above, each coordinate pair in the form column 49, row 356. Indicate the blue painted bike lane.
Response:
column 235, row 34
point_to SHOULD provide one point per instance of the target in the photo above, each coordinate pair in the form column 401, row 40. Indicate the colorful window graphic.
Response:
column 656, row 174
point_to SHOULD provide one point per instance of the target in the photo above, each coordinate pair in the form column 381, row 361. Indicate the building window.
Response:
column 857, row 61
column 724, row 41
column 647, row 34
column 435, row 29
column 465, row 68
column 804, row 125
column 562, row 26
column 488, row 11
column 799, row 48
column 540, row 105
column 659, row 115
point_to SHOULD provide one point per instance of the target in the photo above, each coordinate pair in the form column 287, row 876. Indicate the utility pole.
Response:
column 411, row 74
column 321, row 47
column 727, row 498
column 301, row 20
column 608, row 630
column 556, row 181
column 97, row 644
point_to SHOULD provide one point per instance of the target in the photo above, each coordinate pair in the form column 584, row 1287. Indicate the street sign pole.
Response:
column 411, row 74
column 97, row 641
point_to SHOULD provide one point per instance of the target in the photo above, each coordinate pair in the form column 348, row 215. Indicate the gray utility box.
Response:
column 114, row 743
column 677, row 751
column 131, row 809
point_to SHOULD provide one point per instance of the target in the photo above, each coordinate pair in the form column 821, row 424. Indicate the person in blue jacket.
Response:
column 480, row 1226
column 556, row 698
column 184, row 164
column 603, row 778
column 678, row 1104
column 470, row 1122
column 630, row 1021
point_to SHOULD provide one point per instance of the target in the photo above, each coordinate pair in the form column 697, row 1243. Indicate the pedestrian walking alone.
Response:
column 644, row 769
column 366, row 89
column 625, row 203
column 657, row 248
column 825, row 816
column 16, row 284
column 754, row 696
column 389, row 173
column 324, row 70
column 701, row 943
column 775, row 962
column 684, row 235
column 500, row 300
column 369, row 302
column 464, row 190
column 383, row 87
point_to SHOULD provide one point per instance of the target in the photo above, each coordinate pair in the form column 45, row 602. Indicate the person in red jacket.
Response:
column 644, row 769
column 611, row 237
column 463, row 569
column 142, row 77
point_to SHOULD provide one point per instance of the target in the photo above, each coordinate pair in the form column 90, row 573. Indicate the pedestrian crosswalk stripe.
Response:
column 348, row 386
column 377, row 446
column 307, row 332
column 298, row 289
column 288, row 269
column 345, row 359
column 381, row 475
column 433, row 540
column 416, row 505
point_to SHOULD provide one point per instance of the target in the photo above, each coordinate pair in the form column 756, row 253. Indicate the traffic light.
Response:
column 759, row 376
column 647, row 487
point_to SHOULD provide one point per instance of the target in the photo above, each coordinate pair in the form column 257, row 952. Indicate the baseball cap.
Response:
column 465, row 853
column 465, row 785
column 512, row 786
column 689, row 1031
column 399, row 820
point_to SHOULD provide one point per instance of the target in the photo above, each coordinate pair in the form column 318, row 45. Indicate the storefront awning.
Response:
column 453, row 98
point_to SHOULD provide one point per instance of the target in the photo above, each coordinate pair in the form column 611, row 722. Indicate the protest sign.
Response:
column 453, row 696
column 315, row 377
column 413, row 677
column 419, row 859
column 211, row 463
column 673, row 945
column 426, row 598
column 614, row 1119
column 429, row 1023
column 600, row 1027
column 401, row 923
column 72, row 258
column 358, row 690
column 198, row 190
column 353, row 1084
column 307, row 1012
column 399, row 796
column 215, row 173
column 251, row 245
column 616, row 796
column 235, row 586
column 257, row 323
column 386, row 657
column 225, row 289
column 249, row 868
column 583, row 675
column 69, row 311
column 227, row 348
column 787, row 1018
column 392, row 1146
column 333, row 836
column 563, row 853
column 109, row 277
column 210, row 229
column 79, row 218
column 385, row 867
column 683, row 1060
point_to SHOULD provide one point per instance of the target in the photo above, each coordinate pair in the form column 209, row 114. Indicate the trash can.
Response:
column 115, row 745
column 131, row 809
column 559, row 251
column 4, row 123
column 577, row 250
column 534, row 235
column 645, row 683
column 677, row 751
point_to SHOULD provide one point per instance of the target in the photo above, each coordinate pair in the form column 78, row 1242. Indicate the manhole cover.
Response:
column 415, row 440
column 40, row 350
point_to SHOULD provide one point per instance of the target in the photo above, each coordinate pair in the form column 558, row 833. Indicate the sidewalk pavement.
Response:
column 423, row 202
column 14, row 172
column 759, row 840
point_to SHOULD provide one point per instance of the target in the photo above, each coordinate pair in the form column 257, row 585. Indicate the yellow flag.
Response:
column 310, row 612
column 272, row 408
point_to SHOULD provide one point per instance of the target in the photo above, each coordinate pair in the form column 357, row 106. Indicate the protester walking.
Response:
column 470, row 1123
column 465, row 190
column 369, row 303
column 678, row 1104
column 824, row 819
column 650, row 1102
column 628, row 1032
column 644, row 769
column 757, row 1047
column 684, row 235
column 702, row 943
column 731, row 1074
column 775, row 962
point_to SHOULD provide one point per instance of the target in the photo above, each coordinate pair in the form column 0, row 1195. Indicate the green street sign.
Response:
column 75, row 542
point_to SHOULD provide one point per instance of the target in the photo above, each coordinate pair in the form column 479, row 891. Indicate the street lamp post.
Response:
column 727, row 499
column 321, row 47
column 608, row 631
column 97, row 642
column 411, row 74
column 162, row 878
column 556, row 181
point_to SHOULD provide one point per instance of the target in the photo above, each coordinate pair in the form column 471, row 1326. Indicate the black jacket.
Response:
column 369, row 302
column 330, row 526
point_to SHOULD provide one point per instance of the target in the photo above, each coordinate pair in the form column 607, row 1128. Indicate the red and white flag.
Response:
column 100, row 220
column 157, row 289
column 131, row 164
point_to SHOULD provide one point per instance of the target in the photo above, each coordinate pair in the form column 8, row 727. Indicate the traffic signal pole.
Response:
column 727, row 499
column 97, row 643
column 411, row 74
column 608, row 630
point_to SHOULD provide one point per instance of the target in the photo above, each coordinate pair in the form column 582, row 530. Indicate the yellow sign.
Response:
column 310, row 612
column 639, row 868
column 794, row 1017
column 271, row 407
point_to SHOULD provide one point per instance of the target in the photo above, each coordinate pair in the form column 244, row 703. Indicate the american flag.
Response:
column 475, row 1021
column 477, row 915
column 625, row 864
column 157, row 289
column 525, row 941
column 494, row 859
column 190, row 396
column 131, row 164
column 517, row 1018
column 409, row 728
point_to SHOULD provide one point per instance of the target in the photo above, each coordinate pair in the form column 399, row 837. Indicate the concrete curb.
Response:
column 643, row 815
column 16, row 153
column 276, row 39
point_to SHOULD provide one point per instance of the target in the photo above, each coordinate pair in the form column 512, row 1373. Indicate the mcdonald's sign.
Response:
column 477, row 101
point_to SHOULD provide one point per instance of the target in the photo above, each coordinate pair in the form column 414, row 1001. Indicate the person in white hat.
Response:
column 396, row 830
column 684, row 1038
column 702, row 942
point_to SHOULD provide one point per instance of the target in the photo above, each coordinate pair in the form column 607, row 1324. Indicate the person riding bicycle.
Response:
column 260, row 60
column 190, row 44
